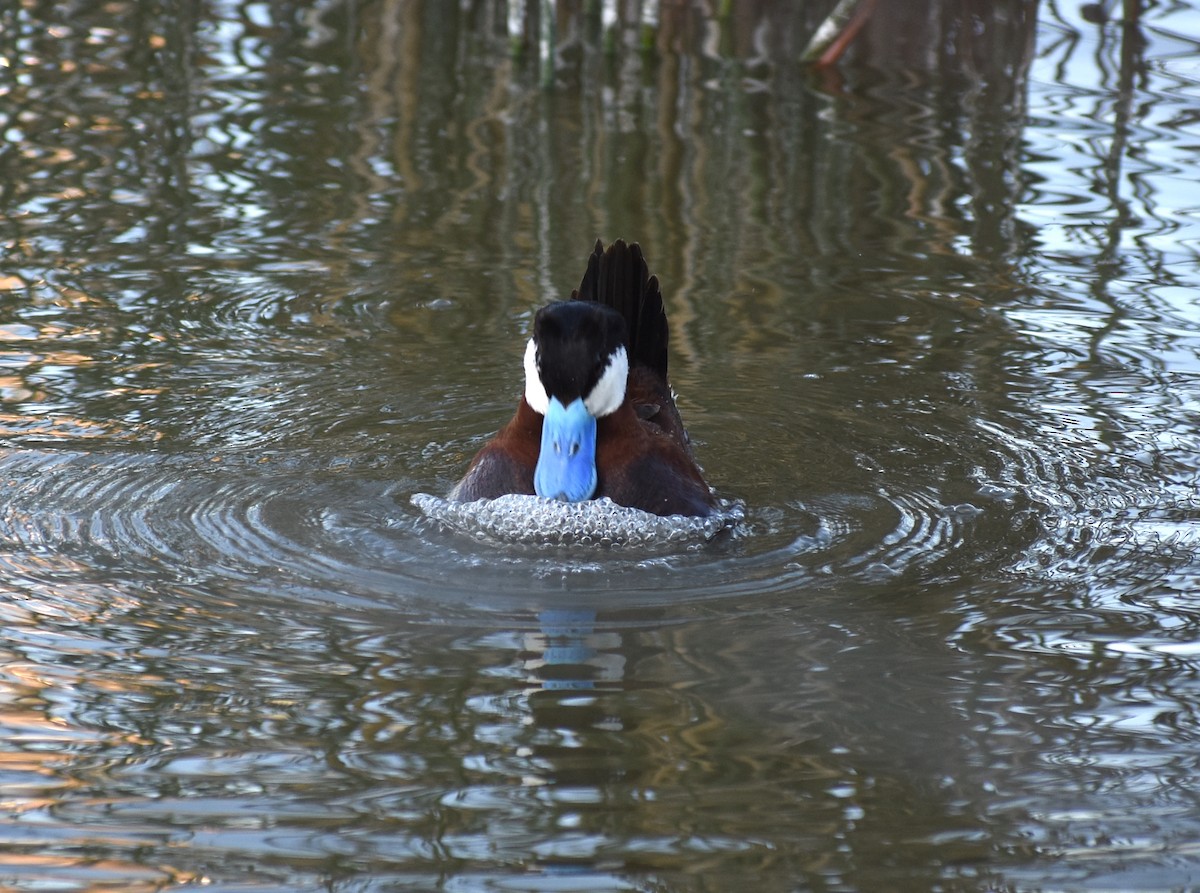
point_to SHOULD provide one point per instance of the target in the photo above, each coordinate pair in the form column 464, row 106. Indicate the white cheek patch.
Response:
column 535, row 391
column 609, row 392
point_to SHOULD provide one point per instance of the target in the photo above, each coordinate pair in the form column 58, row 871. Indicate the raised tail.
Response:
column 619, row 278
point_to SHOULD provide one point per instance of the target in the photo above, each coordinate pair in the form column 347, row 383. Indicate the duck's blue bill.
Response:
column 566, row 467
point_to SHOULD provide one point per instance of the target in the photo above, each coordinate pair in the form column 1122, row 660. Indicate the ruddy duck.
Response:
column 597, row 418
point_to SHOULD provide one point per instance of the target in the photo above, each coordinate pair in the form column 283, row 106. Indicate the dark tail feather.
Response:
column 620, row 279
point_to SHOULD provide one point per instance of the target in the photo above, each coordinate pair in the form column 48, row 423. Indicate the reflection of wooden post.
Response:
column 546, row 32
column 648, row 24
column 837, row 32
column 516, row 26
column 608, row 24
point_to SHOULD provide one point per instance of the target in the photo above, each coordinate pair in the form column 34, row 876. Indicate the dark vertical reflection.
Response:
column 268, row 270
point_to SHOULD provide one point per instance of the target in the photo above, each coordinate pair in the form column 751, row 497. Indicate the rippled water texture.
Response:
column 268, row 273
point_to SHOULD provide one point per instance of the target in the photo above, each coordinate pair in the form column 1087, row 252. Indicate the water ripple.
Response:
column 269, row 526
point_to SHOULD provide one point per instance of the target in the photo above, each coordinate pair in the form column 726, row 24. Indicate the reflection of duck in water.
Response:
column 597, row 418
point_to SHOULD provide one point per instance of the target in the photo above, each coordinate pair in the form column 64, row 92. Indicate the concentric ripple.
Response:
column 279, row 527
column 187, row 520
column 326, row 529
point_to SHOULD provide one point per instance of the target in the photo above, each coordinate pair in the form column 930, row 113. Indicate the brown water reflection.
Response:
column 268, row 271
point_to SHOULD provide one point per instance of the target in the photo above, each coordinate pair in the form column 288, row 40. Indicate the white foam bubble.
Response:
column 536, row 521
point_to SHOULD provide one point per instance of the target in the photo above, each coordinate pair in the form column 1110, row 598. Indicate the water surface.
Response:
column 268, row 272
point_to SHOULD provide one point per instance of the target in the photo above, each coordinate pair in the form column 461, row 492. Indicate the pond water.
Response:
column 268, row 273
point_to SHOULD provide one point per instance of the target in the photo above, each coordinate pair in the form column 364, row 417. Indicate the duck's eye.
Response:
column 574, row 448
